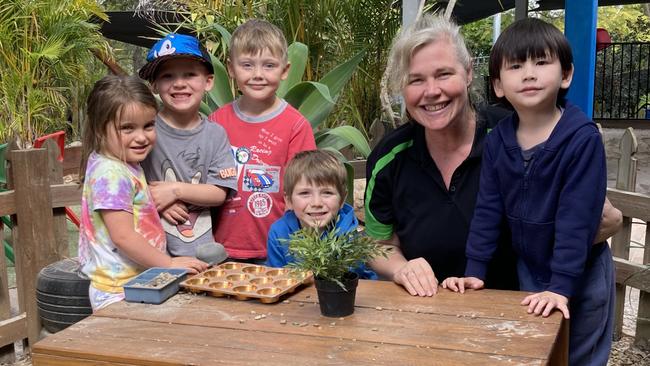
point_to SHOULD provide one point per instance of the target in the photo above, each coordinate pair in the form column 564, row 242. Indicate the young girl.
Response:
column 120, row 233
column 543, row 171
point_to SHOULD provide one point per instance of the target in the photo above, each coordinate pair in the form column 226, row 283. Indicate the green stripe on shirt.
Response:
column 375, row 228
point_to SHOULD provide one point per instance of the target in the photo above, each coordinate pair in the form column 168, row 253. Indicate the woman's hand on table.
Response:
column 544, row 302
column 459, row 284
column 417, row 277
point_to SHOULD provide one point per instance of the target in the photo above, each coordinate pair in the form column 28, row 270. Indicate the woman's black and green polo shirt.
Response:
column 405, row 194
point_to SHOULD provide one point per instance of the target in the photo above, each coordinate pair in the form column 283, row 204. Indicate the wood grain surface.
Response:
column 388, row 327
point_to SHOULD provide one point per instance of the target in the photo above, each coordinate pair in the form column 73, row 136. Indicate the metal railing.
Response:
column 622, row 81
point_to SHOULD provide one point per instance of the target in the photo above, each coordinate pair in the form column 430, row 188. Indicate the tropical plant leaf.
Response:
column 221, row 93
column 225, row 35
column 205, row 109
column 351, row 136
column 340, row 75
column 297, row 56
column 312, row 99
column 325, row 141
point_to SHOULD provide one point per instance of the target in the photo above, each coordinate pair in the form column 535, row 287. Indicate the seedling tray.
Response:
column 247, row 281
column 154, row 285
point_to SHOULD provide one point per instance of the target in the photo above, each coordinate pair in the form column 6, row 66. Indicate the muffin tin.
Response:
column 245, row 281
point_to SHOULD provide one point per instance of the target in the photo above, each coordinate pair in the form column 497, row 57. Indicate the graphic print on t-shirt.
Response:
column 261, row 178
column 259, row 204
column 199, row 221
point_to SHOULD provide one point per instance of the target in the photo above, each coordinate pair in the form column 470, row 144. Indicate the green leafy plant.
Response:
column 46, row 48
column 330, row 255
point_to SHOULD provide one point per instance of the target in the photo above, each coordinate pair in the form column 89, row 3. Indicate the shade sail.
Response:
column 127, row 26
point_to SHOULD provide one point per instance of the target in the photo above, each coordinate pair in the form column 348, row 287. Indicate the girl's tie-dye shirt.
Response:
column 110, row 184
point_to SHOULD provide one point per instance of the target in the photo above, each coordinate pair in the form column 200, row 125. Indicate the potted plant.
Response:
column 331, row 256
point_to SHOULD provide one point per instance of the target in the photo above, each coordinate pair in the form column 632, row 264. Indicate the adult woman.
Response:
column 423, row 178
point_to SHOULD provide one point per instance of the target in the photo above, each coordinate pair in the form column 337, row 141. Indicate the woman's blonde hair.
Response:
column 318, row 167
column 107, row 101
column 427, row 29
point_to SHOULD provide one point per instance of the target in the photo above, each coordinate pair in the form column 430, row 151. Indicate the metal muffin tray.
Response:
column 245, row 281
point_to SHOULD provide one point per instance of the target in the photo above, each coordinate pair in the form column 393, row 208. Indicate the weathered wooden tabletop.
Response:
column 388, row 327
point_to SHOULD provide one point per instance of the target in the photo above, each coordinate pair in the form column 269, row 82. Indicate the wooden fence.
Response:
column 36, row 199
column 634, row 206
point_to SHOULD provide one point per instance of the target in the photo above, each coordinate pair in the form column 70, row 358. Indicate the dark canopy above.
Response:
column 128, row 27
column 467, row 11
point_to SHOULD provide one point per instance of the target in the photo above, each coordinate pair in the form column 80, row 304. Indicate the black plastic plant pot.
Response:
column 334, row 301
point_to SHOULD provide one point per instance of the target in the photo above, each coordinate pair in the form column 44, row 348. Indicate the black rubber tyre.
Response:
column 61, row 317
column 54, row 326
column 63, row 278
column 64, row 309
column 76, row 301
column 62, row 295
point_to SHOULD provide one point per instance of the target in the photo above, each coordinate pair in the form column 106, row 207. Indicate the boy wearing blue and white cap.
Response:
column 191, row 167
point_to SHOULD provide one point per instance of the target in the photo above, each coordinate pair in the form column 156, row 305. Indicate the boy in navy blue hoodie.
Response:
column 544, row 171
column 315, row 187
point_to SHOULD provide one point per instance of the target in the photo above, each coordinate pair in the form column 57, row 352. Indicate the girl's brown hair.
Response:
column 106, row 103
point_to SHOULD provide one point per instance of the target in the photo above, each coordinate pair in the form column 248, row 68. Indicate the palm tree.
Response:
column 46, row 47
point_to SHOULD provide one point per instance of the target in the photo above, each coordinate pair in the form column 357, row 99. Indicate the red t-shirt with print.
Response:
column 262, row 147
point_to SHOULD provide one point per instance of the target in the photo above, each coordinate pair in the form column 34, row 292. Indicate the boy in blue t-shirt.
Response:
column 315, row 184
column 544, row 171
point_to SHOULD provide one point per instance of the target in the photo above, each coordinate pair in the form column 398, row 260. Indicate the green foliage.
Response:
column 478, row 36
column 625, row 23
column 331, row 255
column 44, row 50
column 332, row 30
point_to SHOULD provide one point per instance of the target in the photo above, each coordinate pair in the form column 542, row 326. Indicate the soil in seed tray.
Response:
column 161, row 280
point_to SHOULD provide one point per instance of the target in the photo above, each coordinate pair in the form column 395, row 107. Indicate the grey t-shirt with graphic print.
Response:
column 200, row 156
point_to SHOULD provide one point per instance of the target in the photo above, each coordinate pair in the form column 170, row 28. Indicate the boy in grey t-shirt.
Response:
column 191, row 167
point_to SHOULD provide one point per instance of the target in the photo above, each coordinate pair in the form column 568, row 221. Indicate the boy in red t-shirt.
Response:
column 265, row 133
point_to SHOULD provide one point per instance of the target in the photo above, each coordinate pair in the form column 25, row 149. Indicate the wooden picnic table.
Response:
column 388, row 327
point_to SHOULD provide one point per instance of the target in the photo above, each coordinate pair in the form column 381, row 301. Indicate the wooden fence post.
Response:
column 642, row 335
column 35, row 245
column 626, row 180
column 61, row 247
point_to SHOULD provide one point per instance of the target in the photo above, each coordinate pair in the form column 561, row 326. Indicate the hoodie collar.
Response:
column 571, row 120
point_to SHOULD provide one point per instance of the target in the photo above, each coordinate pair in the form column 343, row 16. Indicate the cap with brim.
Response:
column 174, row 46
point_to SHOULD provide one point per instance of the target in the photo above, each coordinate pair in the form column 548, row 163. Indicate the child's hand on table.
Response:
column 544, row 302
column 459, row 284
